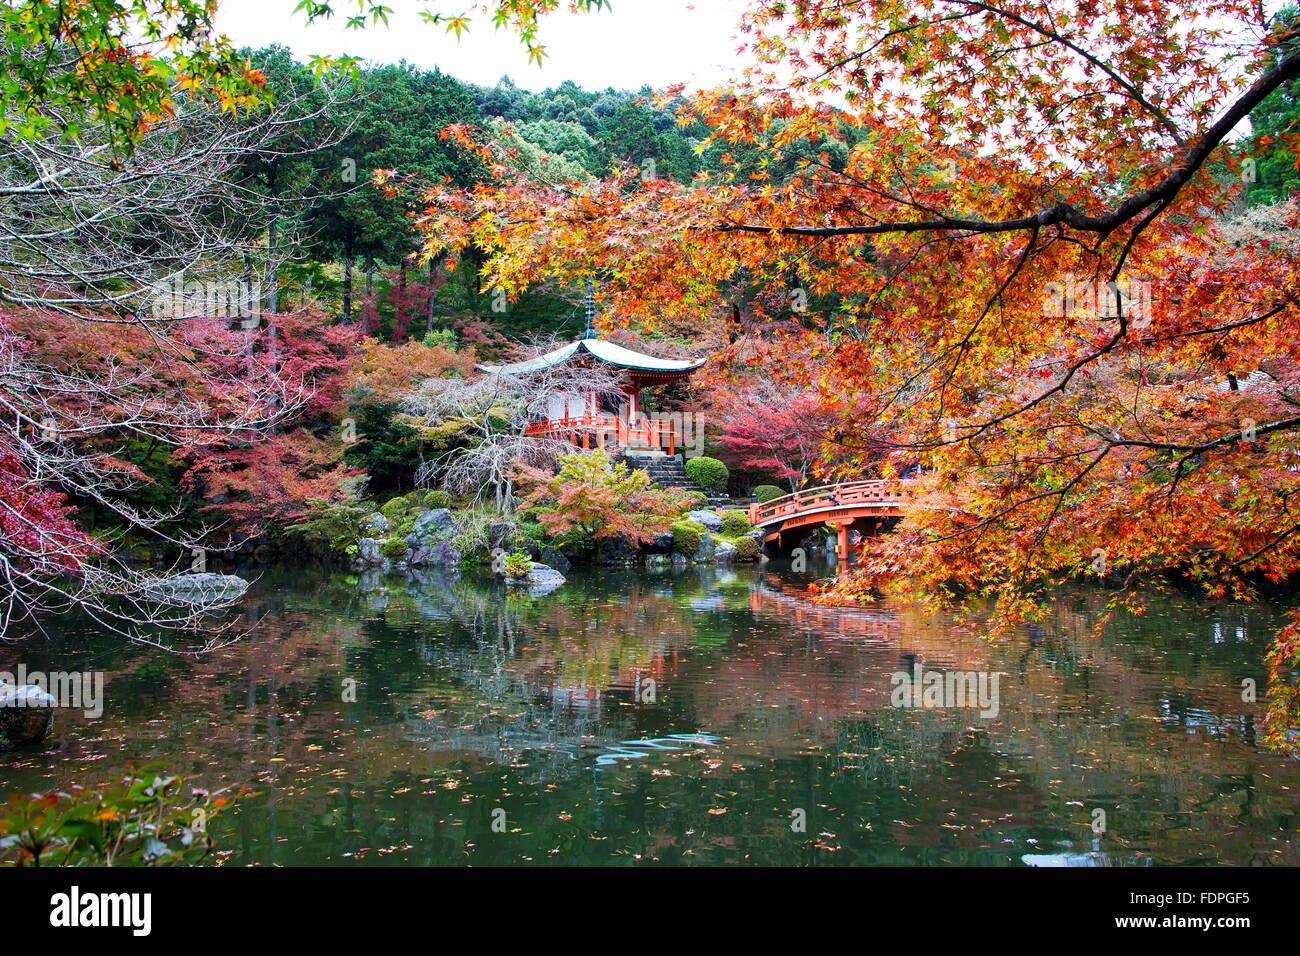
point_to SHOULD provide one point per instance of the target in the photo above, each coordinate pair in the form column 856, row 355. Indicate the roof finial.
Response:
column 590, row 331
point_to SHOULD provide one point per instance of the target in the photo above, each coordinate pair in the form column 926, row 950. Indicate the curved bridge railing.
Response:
column 883, row 495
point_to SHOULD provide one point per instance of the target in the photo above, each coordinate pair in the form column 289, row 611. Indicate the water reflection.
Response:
column 700, row 716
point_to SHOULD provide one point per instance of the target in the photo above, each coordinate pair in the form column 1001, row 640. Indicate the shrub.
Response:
column 687, row 536
column 766, row 493
column 437, row 499
column 404, row 527
column 747, row 549
column 735, row 523
column 709, row 473
column 472, row 551
column 396, row 508
column 394, row 548
column 147, row 821
column 696, row 500
column 531, row 530
column 593, row 499
column 518, row 565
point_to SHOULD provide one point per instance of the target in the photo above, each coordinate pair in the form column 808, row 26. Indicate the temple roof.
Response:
column 602, row 351
column 608, row 353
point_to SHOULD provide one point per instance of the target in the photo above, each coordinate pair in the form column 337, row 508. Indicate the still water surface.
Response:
column 697, row 717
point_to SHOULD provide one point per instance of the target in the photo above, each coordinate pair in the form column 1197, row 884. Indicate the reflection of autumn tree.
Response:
column 465, row 695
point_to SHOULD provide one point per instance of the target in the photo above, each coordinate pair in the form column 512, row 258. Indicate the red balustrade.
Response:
column 590, row 431
column 846, row 495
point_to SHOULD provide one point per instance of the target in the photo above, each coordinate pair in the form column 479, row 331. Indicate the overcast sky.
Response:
column 655, row 42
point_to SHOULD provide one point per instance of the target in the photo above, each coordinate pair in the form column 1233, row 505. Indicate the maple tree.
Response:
column 782, row 432
column 1029, row 284
column 597, row 500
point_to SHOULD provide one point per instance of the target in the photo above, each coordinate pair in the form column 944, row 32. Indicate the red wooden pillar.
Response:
column 842, row 541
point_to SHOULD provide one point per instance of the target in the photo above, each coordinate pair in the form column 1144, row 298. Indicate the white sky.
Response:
column 655, row 42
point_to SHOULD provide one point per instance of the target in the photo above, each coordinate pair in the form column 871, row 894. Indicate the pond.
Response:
column 690, row 717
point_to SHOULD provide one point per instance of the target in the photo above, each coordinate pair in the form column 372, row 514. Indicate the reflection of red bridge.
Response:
column 864, row 504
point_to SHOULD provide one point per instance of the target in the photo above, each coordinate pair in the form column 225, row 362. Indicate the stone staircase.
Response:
column 668, row 471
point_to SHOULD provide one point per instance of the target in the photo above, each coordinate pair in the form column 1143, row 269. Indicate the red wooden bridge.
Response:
column 866, row 504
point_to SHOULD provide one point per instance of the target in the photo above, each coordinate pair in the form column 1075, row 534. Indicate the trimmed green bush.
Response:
column 394, row 548
column 709, row 473
column 735, row 523
column 766, row 493
column 695, row 500
column 687, row 536
column 747, row 549
column 396, row 509
column 437, row 499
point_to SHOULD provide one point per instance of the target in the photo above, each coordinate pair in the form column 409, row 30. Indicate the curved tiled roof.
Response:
column 602, row 351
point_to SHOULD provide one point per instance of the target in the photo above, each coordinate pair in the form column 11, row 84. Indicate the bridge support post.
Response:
column 842, row 541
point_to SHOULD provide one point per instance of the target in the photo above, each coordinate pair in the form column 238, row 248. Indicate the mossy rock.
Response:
column 437, row 499
column 394, row 548
column 396, row 509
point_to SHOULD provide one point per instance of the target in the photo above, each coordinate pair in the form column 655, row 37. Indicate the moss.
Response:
column 695, row 500
column 394, row 548
column 735, row 523
column 396, row 508
column 437, row 499
column 534, row 530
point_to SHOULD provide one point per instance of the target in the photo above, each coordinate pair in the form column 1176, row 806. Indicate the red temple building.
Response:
column 592, row 420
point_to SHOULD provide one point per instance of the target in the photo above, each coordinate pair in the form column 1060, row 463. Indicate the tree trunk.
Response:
column 399, row 313
column 347, row 283
column 428, row 307
column 368, row 309
column 248, row 302
column 273, row 237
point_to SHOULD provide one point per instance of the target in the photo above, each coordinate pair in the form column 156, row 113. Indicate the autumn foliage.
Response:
column 600, row 501
column 1017, row 221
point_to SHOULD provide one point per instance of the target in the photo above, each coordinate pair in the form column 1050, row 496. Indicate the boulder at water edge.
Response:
column 711, row 520
column 434, row 554
column 555, row 559
column 435, row 525
column 26, row 715
column 376, row 525
column 540, row 580
column 201, row 585
column 370, row 552
column 706, row 549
